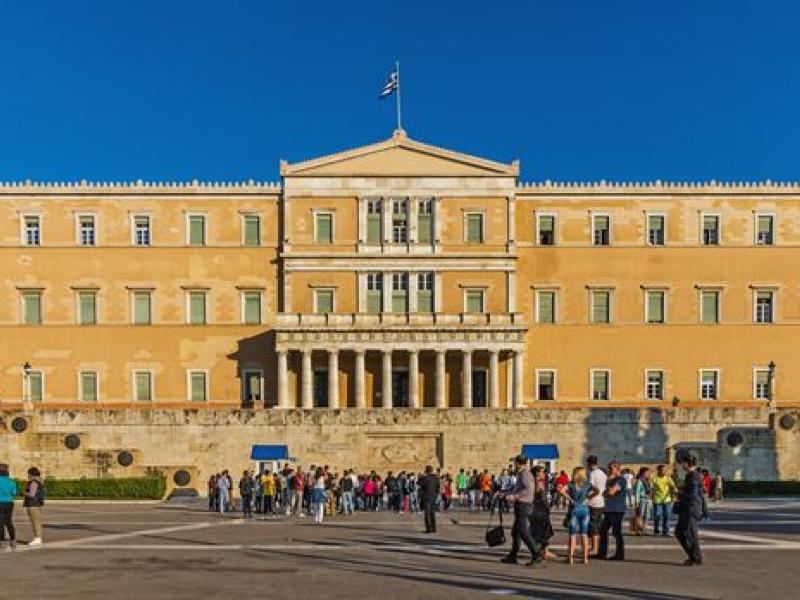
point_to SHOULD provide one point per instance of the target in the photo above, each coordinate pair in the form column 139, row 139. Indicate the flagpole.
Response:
column 397, row 70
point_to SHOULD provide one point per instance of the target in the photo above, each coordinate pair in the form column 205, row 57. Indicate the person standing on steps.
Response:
column 521, row 496
column 690, row 511
column 429, row 486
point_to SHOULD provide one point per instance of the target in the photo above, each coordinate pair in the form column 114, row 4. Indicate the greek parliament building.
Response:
column 393, row 305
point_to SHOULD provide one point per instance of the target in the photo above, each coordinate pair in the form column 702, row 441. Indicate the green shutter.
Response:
column 33, row 309
column 764, row 224
column 324, row 302
column 374, row 228
column 144, row 392
column 197, row 308
column 198, row 387
column 374, row 301
column 141, row 308
column 88, row 308
column 600, row 307
column 252, row 308
column 425, row 301
column 324, row 228
column 655, row 307
column 400, row 301
column 600, row 384
column 424, row 228
column 547, row 307
column 197, row 230
column 252, row 230
column 89, row 387
column 474, row 301
column 35, row 387
column 475, row 228
column 710, row 307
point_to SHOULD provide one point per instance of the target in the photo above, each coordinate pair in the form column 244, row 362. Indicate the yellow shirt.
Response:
column 663, row 489
column 268, row 485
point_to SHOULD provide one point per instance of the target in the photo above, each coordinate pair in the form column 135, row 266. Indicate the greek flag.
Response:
column 391, row 85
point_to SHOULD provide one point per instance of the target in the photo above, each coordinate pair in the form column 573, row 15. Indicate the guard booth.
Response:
column 269, row 456
column 541, row 454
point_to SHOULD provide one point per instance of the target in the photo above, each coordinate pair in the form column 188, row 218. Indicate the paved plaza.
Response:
column 123, row 550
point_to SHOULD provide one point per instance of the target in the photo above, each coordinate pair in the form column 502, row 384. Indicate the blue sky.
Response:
column 578, row 90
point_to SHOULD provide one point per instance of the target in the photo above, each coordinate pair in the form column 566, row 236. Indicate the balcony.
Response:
column 358, row 321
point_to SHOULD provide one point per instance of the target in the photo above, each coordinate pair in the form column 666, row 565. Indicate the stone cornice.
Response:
column 139, row 187
column 659, row 187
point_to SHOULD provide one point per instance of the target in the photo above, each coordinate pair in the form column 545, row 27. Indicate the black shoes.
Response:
column 508, row 560
column 692, row 563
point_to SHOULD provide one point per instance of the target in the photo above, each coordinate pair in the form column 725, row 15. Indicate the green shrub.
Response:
column 129, row 488
column 761, row 488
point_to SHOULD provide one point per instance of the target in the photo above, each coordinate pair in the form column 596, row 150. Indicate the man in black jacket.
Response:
column 428, row 494
column 690, row 511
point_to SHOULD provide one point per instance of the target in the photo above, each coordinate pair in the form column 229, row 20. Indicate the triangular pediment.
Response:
column 399, row 156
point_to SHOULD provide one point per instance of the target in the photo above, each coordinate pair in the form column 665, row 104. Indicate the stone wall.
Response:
column 206, row 441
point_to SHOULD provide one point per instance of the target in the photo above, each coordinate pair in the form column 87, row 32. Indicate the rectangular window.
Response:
column 323, row 227
column 709, row 384
column 425, row 221
column 399, row 292
column 251, row 225
column 761, row 384
column 323, row 302
column 35, row 386
column 473, row 228
column 710, row 230
column 546, row 306
column 197, row 308
column 374, row 293
column 198, row 386
column 425, row 292
column 765, row 306
column 32, row 230
column 88, row 386
column 197, row 230
column 251, row 310
column 252, row 387
column 601, row 230
column 655, row 230
column 546, row 225
column 656, row 300
column 374, row 221
column 654, row 385
column 709, row 306
column 87, row 308
column 601, row 306
column 601, row 384
column 141, row 230
column 86, row 230
column 142, row 386
column 473, row 300
column 142, row 307
column 399, row 221
column 545, row 385
column 32, row 308
column 765, row 233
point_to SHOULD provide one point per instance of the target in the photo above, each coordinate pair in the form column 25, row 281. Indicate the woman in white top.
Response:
column 318, row 496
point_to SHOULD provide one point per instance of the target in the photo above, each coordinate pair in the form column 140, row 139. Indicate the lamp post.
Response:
column 770, row 384
column 26, row 386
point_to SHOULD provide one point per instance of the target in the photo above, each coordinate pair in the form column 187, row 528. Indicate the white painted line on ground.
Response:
column 724, row 535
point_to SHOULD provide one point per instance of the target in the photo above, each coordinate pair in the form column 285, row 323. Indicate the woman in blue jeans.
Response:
column 577, row 493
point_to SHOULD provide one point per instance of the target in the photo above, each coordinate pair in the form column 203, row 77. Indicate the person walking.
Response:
column 223, row 492
column 33, row 501
column 8, row 491
column 664, row 491
column 718, row 487
column 429, row 489
column 597, row 504
column 577, row 493
column 616, row 503
column 643, row 495
column 522, row 498
column 690, row 511
column 318, row 496
column 541, row 528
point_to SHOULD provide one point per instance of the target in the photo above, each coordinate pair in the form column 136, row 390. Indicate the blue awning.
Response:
column 540, row 451
column 269, row 452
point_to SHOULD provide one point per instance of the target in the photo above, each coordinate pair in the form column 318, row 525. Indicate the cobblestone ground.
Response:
column 116, row 550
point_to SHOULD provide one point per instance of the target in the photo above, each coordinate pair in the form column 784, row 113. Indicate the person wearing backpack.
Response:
column 8, row 491
column 33, row 501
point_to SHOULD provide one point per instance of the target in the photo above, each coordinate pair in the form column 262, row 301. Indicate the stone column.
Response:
column 386, row 384
column 333, row 378
column 518, row 375
column 466, row 378
column 441, row 401
column 307, row 381
column 283, row 379
column 494, row 379
column 413, row 379
column 361, row 398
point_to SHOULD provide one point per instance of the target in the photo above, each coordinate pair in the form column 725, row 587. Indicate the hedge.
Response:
column 129, row 488
column 761, row 488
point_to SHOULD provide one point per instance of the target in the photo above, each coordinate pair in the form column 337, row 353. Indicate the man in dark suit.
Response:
column 428, row 495
column 690, row 511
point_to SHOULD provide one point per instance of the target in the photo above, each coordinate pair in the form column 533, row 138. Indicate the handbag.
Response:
column 495, row 536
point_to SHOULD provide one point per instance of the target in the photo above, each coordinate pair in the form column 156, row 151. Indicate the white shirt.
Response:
column 598, row 479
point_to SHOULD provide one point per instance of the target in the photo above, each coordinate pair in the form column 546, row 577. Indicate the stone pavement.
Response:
column 116, row 550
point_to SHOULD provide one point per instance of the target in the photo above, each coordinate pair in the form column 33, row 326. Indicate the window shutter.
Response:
column 546, row 307
column 474, row 301
column 600, row 311
column 600, row 384
column 601, row 222
column 764, row 224
column 399, row 301
column 198, row 387
column 425, row 301
column 197, row 308
column 88, row 308
column 374, row 301
column 89, row 387
column 252, row 230
column 655, row 307
column 141, row 308
column 474, row 227
column 546, row 224
column 424, row 228
column 324, row 229
column 197, row 230
column 710, row 307
column 33, row 309
column 324, row 302
column 546, row 378
column 374, row 228
column 143, row 387
column 252, row 308
column 35, row 387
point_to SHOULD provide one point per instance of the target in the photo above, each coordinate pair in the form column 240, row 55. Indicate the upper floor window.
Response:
column 251, row 230
column 601, row 384
column 474, row 300
column 197, row 307
column 399, row 221
column 473, row 228
column 546, row 306
column 196, row 230
column 142, row 386
column 32, row 230
column 141, row 307
column 425, row 221
column 87, row 233
column 89, row 384
column 764, row 306
column 761, row 384
column 374, row 293
column 197, row 385
column 374, row 221
column 709, row 306
column 655, row 306
column 35, row 386
column 425, row 292
column 141, row 230
column 251, row 308
column 545, row 384
column 87, row 307
column 655, row 230
column 323, row 227
column 601, row 230
column 546, row 228
column 324, row 301
column 32, row 308
column 710, row 230
column 654, row 385
column 600, row 309
column 709, row 384
column 399, row 292
column 765, row 230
